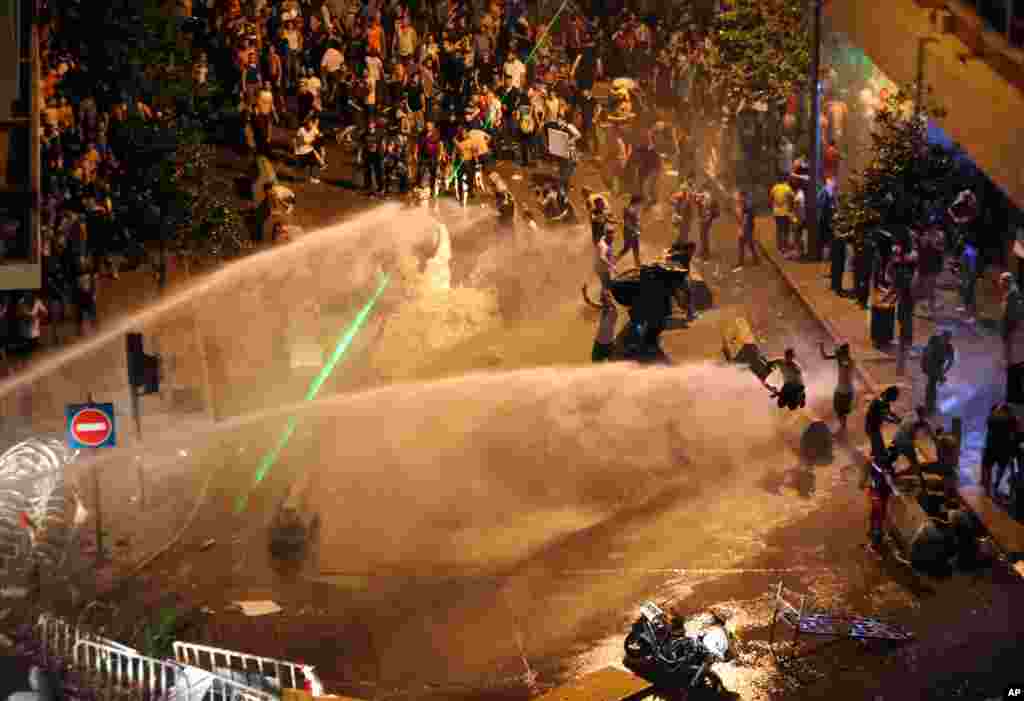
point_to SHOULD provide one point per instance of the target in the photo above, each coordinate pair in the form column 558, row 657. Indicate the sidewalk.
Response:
column 977, row 379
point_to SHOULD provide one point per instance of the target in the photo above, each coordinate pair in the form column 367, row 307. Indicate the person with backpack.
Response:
column 707, row 212
column 936, row 362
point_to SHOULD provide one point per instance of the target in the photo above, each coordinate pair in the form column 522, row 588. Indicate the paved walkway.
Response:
column 976, row 381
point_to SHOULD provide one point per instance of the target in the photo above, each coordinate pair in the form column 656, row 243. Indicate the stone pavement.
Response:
column 977, row 379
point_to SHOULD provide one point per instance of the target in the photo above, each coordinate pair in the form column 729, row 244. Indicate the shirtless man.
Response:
column 842, row 399
column 792, row 394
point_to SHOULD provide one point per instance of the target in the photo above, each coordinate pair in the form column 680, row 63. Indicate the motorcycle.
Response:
column 662, row 652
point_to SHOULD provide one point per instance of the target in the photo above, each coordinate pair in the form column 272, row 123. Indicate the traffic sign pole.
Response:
column 137, row 415
column 99, row 502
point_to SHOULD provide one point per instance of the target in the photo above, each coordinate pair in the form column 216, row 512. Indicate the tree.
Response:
column 173, row 198
column 906, row 176
column 761, row 49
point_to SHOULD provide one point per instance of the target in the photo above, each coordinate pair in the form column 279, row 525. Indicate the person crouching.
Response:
column 792, row 395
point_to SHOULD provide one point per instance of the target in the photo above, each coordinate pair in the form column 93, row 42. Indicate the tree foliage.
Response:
column 906, row 175
column 761, row 49
column 173, row 196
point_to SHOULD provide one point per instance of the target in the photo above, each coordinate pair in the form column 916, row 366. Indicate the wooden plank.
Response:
column 1007, row 533
column 608, row 684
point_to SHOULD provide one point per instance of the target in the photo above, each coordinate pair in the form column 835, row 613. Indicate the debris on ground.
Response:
column 207, row 544
column 257, row 608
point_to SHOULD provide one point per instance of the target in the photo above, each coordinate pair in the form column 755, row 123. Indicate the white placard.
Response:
column 558, row 143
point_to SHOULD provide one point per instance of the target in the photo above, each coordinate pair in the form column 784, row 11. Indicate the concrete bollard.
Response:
column 920, row 538
column 808, row 435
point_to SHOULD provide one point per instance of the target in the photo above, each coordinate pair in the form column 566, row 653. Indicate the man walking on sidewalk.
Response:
column 1000, row 447
column 744, row 211
column 936, row 362
column 837, row 254
column 782, row 197
column 1013, row 338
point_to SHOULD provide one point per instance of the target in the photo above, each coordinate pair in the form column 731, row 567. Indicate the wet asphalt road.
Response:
column 429, row 589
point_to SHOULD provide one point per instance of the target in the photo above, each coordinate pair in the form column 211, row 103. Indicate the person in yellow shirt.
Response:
column 782, row 197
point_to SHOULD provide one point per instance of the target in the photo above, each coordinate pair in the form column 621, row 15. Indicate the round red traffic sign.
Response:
column 91, row 427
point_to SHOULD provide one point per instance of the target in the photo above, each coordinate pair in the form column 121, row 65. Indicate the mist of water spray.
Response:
column 344, row 343
column 385, row 229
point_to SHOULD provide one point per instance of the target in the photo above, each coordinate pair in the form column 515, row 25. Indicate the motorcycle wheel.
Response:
column 713, row 682
column 637, row 649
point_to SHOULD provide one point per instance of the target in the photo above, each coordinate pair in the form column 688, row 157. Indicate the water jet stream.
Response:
column 340, row 349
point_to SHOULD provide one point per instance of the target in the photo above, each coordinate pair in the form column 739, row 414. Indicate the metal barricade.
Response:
column 59, row 637
column 288, row 675
column 115, row 667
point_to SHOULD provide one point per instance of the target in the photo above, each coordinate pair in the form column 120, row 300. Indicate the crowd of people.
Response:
column 83, row 184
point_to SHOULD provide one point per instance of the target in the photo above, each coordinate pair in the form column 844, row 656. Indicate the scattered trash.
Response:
column 207, row 610
column 13, row 592
column 517, row 176
column 5, row 641
column 258, row 608
column 673, row 173
column 207, row 544
column 81, row 514
column 737, row 269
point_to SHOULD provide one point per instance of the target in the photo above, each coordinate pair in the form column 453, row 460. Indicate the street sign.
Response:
column 91, row 426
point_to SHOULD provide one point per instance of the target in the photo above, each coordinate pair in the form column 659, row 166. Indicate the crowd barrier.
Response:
column 197, row 672
column 287, row 675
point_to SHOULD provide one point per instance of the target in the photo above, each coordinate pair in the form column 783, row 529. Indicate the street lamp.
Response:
column 814, row 85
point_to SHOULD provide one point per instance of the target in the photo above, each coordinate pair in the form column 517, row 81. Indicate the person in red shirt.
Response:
column 830, row 160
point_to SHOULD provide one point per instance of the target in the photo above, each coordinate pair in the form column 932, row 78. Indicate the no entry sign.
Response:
column 91, row 426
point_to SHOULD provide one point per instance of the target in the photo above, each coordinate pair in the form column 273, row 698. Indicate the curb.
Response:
column 869, row 382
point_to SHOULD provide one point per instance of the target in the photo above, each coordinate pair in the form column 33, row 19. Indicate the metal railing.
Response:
column 288, row 675
column 117, row 667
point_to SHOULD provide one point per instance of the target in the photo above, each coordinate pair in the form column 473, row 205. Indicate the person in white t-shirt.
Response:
column 515, row 71
column 305, row 147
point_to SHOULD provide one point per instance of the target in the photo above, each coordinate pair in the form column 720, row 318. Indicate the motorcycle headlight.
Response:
column 716, row 642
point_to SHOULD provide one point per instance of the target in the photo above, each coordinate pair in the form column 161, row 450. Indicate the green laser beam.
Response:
column 344, row 343
column 529, row 58
column 547, row 30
